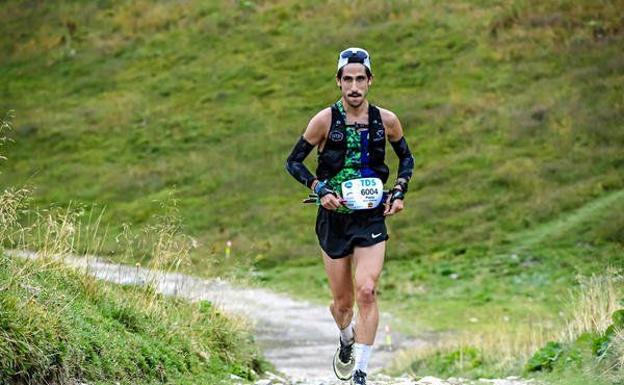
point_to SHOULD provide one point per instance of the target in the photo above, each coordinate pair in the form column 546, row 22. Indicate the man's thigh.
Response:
column 339, row 274
column 369, row 262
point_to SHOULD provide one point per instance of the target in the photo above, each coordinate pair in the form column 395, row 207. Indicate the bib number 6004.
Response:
column 369, row 191
column 362, row 193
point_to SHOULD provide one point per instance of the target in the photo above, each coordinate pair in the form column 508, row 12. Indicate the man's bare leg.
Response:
column 368, row 264
column 341, row 285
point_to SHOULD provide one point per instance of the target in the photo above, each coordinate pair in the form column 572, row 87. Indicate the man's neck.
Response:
column 355, row 112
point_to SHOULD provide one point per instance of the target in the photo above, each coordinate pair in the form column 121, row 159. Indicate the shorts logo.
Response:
column 375, row 235
column 336, row 136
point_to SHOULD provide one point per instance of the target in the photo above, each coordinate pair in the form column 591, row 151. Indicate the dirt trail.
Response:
column 298, row 337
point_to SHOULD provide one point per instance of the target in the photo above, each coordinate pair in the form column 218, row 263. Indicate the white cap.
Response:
column 354, row 55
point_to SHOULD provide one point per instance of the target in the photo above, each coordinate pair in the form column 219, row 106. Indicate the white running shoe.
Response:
column 344, row 362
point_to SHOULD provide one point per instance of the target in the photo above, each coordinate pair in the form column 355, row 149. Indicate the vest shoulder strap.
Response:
column 374, row 117
column 376, row 127
column 337, row 118
column 336, row 137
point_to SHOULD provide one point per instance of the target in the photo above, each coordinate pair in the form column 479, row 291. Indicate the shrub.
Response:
column 545, row 358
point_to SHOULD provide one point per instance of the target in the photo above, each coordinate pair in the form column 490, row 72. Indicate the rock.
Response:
column 263, row 382
column 458, row 381
column 431, row 381
column 35, row 291
column 382, row 377
column 276, row 378
column 235, row 377
column 507, row 381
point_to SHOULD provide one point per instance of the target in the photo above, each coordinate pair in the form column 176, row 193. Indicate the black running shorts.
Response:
column 338, row 233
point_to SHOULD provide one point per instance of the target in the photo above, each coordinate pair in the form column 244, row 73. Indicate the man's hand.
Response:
column 331, row 202
column 393, row 207
column 394, row 203
column 328, row 198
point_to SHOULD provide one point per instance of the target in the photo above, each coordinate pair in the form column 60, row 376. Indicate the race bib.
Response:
column 362, row 193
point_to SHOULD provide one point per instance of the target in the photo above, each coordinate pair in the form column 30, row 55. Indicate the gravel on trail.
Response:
column 299, row 338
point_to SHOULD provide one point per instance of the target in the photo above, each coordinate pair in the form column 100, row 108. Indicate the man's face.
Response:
column 354, row 84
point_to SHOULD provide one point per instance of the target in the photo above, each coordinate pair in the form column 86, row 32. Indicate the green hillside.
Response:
column 513, row 110
column 61, row 326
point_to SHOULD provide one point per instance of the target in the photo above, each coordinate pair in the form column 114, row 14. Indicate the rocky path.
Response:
column 381, row 379
column 298, row 337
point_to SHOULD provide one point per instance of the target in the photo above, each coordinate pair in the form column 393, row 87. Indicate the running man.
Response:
column 350, row 225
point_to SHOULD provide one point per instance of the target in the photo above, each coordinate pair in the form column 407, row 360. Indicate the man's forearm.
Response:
column 295, row 166
column 406, row 162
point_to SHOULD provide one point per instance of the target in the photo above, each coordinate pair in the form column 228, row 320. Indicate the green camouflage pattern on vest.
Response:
column 351, row 169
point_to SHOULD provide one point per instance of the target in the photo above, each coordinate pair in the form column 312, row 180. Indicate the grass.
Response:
column 590, row 312
column 591, row 344
column 60, row 325
column 513, row 110
column 508, row 132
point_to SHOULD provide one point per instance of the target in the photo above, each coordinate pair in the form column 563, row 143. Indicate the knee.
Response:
column 366, row 293
column 343, row 303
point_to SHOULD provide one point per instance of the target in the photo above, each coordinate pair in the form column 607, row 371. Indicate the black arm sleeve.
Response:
column 406, row 160
column 294, row 163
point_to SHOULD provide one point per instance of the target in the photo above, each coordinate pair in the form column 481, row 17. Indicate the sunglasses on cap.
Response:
column 348, row 54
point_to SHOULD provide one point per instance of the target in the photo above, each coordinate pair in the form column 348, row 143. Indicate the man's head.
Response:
column 354, row 75
column 354, row 55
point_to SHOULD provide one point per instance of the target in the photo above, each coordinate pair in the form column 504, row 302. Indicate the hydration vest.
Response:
column 332, row 159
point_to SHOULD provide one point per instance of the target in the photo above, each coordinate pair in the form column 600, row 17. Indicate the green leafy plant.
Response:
column 545, row 358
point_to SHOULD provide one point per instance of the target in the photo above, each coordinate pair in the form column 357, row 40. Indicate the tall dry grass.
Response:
column 505, row 347
column 162, row 244
column 592, row 303
column 6, row 125
column 53, row 234
column 502, row 348
column 51, row 237
column 618, row 351
column 13, row 201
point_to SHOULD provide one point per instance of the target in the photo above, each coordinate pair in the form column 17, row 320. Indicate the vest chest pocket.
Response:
column 336, row 136
column 333, row 162
column 378, row 135
column 377, row 146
